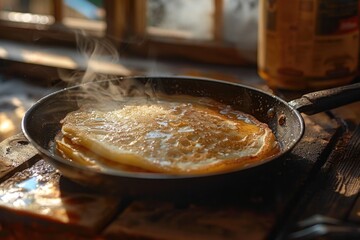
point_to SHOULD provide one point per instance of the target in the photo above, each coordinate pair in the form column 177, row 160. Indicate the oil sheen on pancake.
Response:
column 173, row 135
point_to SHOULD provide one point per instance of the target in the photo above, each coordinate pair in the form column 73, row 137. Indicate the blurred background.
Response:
column 48, row 44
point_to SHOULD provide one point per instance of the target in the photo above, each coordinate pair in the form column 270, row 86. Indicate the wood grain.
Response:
column 332, row 191
column 40, row 192
column 16, row 153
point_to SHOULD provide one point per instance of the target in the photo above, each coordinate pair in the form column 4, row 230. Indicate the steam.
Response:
column 102, row 77
column 93, row 52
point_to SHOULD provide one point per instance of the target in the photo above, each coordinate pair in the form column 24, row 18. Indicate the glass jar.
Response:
column 308, row 44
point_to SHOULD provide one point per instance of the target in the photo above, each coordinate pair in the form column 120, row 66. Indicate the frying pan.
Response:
column 41, row 123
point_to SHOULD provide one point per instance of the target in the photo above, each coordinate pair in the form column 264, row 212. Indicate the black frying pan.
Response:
column 42, row 122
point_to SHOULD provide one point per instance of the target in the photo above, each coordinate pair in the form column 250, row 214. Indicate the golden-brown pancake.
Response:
column 178, row 135
column 83, row 156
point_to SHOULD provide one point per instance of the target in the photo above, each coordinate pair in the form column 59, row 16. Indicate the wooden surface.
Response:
column 319, row 177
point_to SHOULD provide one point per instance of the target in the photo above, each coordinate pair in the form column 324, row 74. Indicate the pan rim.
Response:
column 142, row 175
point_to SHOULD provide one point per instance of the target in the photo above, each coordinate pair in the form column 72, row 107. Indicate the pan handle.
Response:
column 323, row 100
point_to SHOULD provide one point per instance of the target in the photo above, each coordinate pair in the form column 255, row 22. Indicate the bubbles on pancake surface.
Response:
column 173, row 135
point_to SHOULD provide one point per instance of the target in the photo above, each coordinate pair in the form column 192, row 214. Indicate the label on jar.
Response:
column 309, row 38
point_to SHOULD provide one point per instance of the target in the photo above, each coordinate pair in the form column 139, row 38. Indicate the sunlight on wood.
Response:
column 7, row 126
column 171, row 33
column 97, row 27
column 3, row 53
column 27, row 18
column 49, row 59
column 108, row 67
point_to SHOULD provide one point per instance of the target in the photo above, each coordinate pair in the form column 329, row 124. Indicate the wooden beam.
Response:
column 203, row 52
column 218, row 20
column 117, row 15
column 58, row 10
column 139, row 17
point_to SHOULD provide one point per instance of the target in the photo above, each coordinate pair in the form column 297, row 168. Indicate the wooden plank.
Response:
column 16, row 153
column 39, row 196
column 338, row 183
column 165, row 220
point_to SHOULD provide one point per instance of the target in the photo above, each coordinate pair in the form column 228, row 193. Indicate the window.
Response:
column 217, row 31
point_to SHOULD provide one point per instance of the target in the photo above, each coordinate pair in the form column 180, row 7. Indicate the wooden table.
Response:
column 312, row 193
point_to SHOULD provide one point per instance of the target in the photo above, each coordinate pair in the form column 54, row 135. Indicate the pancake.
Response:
column 174, row 135
column 83, row 156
